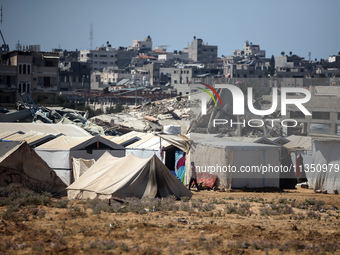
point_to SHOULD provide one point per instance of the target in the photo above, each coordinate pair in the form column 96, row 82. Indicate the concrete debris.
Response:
column 152, row 116
column 30, row 112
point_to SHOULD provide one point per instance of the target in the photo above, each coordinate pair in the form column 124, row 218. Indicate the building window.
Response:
column 20, row 69
column 24, row 69
column 24, row 87
column 296, row 114
column 28, row 69
column 321, row 115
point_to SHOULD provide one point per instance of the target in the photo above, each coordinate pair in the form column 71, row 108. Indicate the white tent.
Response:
column 127, row 177
column 321, row 159
column 58, row 153
column 236, row 164
column 20, row 164
column 326, row 161
column 31, row 137
column 55, row 129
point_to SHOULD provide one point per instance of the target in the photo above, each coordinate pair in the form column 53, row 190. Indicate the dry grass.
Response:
column 292, row 222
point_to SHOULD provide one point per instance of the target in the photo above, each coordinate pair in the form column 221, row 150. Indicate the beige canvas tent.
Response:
column 80, row 166
column 127, row 177
column 20, row 164
column 55, row 129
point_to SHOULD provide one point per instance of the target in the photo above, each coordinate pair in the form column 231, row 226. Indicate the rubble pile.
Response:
column 152, row 116
column 63, row 116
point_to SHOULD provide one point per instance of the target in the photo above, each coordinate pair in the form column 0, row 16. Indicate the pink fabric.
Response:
column 207, row 179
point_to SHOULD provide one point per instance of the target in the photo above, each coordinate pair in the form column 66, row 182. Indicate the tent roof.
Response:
column 149, row 142
column 62, row 143
column 277, row 140
column 19, row 160
column 324, row 137
column 55, row 129
column 299, row 143
column 77, row 143
column 234, row 145
column 6, row 148
column 31, row 137
column 133, row 135
column 180, row 142
column 6, row 133
column 100, row 139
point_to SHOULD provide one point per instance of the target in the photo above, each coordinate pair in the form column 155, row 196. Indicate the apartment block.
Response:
column 202, row 53
column 34, row 72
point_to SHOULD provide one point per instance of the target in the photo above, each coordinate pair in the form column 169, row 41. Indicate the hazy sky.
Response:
column 300, row 26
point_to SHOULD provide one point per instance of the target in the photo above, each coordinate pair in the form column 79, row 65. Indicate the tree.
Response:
column 271, row 69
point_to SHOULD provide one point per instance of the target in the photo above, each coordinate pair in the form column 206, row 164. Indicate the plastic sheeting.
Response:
column 326, row 160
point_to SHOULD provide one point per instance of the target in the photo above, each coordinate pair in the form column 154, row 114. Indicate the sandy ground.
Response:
column 185, row 231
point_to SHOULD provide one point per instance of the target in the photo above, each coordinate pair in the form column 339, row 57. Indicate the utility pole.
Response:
column 5, row 47
column 134, row 78
column 91, row 35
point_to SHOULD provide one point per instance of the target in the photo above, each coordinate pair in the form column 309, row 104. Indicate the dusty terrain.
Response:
column 290, row 222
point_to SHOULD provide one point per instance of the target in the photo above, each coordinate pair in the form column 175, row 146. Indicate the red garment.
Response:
column 298, row 166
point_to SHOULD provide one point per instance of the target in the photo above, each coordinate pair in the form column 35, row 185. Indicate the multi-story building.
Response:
column 75, row 76
column 181, row 76
column 34, row 72
column 107, row 57
column 202, row 53
column 113, row 79
column 245, row 68
column 250, row 49
column 247, row 63
column 8, row 83
column 143, row 46
column 293, row 66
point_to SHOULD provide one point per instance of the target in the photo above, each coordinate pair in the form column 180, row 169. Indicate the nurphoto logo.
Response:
column 239, row 102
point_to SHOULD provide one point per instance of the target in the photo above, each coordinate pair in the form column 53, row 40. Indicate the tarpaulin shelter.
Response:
column 32, row 138
column 227, row 158
column 20, row 164
column 129, row 176
column 58, row 153
column 56, row 129
column 321, row 159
